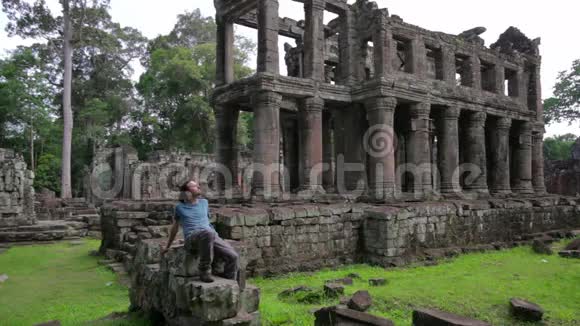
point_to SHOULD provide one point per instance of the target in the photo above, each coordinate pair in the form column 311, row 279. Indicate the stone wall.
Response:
column 16, row 191
column 117, row 173
column 297, row 237
column 395, row 235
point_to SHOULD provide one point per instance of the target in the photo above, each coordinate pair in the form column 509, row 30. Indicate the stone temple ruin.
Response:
column 409, row 105
column 385, row 144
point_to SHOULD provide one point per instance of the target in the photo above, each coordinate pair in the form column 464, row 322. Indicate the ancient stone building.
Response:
column 374, row 103
column 16, row 191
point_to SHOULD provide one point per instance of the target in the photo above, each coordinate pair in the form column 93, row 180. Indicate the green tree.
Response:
column 559, row 147
column 25, row 106
column 565, row 105
column 177, row 83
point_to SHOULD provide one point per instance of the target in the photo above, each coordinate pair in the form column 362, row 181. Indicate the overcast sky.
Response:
column 556, row 22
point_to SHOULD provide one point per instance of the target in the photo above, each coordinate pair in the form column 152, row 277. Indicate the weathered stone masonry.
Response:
column 475, row 104
column 294, row 237
column 16, row 191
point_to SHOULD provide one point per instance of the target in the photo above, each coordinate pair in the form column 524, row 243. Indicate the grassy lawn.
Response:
column 58, row 282
column 475, row 285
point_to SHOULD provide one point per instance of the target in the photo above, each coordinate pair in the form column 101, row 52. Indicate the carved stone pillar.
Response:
column 268, row 26
column 538, row 161
column 499, row 79
column 522, row 172
column 448, row 150
column 418, row 57
column 448, row 63
column 380, row 147
column 311, row 141
column 475, row 153
column 314, row 39
column 266, row 178
column 500, row 163
column 226, row 146
column 419, row 148
column 224, row 52
column 346, row 47
column 382, row 43
column 327, row 150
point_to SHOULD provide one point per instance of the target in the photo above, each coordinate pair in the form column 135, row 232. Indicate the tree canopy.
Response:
column 564, row 106
column 168, row 108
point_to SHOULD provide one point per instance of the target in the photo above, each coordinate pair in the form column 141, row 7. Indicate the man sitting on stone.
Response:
column 192, row 212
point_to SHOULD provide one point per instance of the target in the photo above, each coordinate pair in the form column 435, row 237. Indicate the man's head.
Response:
column 189, row 191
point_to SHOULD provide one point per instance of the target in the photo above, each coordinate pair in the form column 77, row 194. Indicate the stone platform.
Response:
column 44, row 231
column 285, row 237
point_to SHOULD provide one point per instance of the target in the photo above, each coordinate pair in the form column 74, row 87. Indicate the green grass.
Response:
column 475, row 285
column 59, row 282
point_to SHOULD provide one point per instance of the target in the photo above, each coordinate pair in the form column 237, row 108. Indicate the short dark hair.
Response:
column 184, row 186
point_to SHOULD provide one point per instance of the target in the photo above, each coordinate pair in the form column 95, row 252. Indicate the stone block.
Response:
column 250, row 299
column 337, row 316
column 213, row 301
column 229, row 217
column 430, row 317
column 177, row 261
column 360, row 301
column 377, row 281
column 526, row 310
column 256, row 216
column 333, row 290
column 282, row 213
column 243, row 319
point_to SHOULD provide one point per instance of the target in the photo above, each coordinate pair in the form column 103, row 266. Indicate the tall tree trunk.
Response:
column 31, row 146
column 66, row 191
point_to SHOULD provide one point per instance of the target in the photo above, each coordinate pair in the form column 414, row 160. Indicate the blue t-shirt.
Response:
column 193, row 217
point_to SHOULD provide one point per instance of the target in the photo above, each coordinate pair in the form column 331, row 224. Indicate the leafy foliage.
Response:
column 559, row 147
column 565, row 105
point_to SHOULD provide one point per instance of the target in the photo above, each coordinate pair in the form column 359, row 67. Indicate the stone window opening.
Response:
column 487, row 76
column 462, row 70
column 403, row 59
column 434, row 62
column 511, row 83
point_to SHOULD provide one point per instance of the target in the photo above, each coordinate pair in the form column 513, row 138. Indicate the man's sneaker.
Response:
column 206, row 277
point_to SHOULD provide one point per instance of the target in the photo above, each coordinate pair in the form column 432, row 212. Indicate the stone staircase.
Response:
column 73, row 218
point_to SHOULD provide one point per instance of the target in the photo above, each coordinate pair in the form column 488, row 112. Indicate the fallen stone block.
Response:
column 432, row 317
column 289, row 292
column 526, row 310
column 541, row 247
column 574, row 245
column 250, row 299
column 377, row 281
column 333, row 290
column 3, row 278
column 345, row 281
column 243, row 319
column 335, row 316
column 569, row 253
column 360, row 301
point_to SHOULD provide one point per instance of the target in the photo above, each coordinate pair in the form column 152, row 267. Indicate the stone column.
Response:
column 382, row 43
column 538, row 161
column 449, row 69
column 500, row 163
column 314, row 39
column 521, row 85
column 268, row 26
column 418, row 57
column 224, row 52
column 346, row 43
column 474, row 72
column 311, row 141
column 266, row 178
column 523, row 160
column 539, row 103
column 448, row 150
column 475, row 153
column 419, row 148
column 380, row 147
column 226, row 146
column 327, row 150
column 499, row 79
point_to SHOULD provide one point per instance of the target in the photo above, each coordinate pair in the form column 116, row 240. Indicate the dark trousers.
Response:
column 207, row 243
